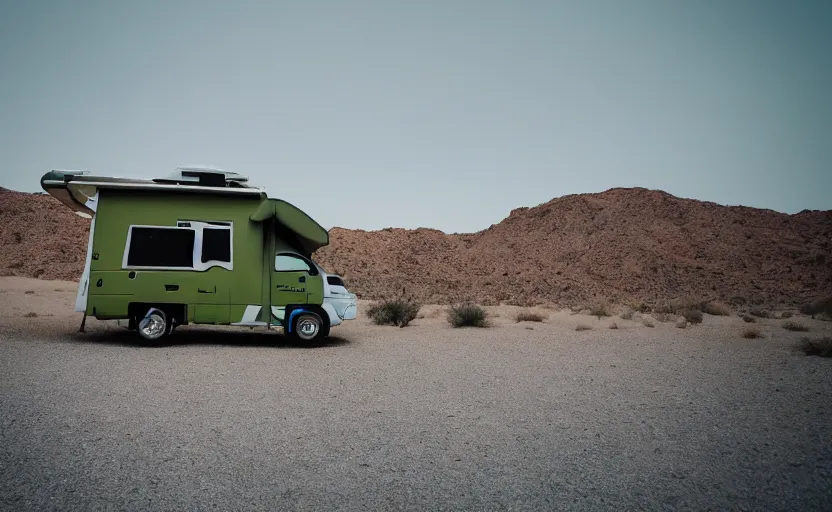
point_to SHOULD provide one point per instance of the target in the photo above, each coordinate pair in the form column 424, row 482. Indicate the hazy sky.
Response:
column 442, row 114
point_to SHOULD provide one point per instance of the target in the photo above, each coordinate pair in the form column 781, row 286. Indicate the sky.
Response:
column 444, row 114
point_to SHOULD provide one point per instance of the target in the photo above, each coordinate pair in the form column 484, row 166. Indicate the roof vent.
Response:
column 205, row 177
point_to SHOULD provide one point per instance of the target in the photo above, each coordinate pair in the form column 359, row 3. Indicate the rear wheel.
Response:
column 154, row 325
column 308, row 326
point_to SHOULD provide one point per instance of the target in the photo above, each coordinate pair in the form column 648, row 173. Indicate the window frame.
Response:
column 196, row 256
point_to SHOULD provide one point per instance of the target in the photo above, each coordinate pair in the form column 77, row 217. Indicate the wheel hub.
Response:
column 152, row 326
column 308, row 328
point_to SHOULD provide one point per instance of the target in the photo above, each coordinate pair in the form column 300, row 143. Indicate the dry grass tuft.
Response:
column 627, row 315
column 760, row 313
column 751, row 334
column 393, row 312
column 794, row 326
column 613, row 325
column 817, row 307
column 786, row 314
column 599, row 309
column 647, row 322
column 748, row 319
column 30, row 314
column 467, row 315
column 583, row 327
column 529, row 316
column 716, row 309
column 821, row 347
column 29, row 292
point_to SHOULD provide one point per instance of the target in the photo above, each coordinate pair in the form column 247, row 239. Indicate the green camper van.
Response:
column 200, row 246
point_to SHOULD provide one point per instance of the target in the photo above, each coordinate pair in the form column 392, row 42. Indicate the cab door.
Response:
column 290, row 280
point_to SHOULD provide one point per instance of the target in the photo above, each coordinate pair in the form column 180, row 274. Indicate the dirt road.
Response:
column 421, row 418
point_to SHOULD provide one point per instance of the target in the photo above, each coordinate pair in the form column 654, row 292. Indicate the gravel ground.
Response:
column 518, row 416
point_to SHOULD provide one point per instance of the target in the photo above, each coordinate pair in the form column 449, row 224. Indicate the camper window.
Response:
column 216, row 245
column 191, row 245
column 290, row 263
column 144, row 244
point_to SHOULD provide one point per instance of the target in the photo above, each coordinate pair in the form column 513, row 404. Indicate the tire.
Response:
column 308, row 327
column 154, row 326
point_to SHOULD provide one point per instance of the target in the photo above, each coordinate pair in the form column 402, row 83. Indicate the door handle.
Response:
column 213, row 289
column 302, row 279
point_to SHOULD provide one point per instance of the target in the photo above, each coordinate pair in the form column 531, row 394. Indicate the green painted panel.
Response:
column 117, row 210
column 311, row 235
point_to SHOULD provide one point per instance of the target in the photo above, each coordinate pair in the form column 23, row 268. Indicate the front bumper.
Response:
column 340, row 308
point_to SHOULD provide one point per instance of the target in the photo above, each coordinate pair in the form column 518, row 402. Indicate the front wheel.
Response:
column 308, row 326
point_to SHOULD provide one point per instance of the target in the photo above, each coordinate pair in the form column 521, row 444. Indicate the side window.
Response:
column 216, row 245
column 191, row 245
column 290, row 263
column 166, row 247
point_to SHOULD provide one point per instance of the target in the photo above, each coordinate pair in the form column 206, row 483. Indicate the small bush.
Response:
column 529, row 316
column 786, row 314
column 627, row 315
column 760, row 313
column 794, row 326
column 583, row 327
column 395, row 312
column 820, row 348
column 748, row 319
column 716, row 309
column 613, row 325
column 648, row 323
column 817, row 307
column 467, row 315
column 30, row 314
column 29, row 292
column 599, row 309
column 751, row 334
column 692, row 315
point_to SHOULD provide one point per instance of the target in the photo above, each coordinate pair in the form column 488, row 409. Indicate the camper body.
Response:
column 200, row 247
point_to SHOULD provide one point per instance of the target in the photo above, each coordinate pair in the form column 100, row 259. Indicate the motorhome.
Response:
column 200, row 246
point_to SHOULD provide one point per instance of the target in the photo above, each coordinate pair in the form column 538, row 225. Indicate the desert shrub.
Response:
column 529, row 316
column 29, row 292
column 751, row 334
column 786, row 314
column 648, row 323
column 30, row 314
column 759, row 313
column 639, row 307
column 692, row 315
column 681, row 323
column 748, row 319
column 582, row 327
column 817, row 307
column 599, row 309
column 716, row 309
column 794, row 326
column 613, row 325
column 627, row 315
column 467, row 315
column 821, row 347
column 665, row 317
column 394, row 312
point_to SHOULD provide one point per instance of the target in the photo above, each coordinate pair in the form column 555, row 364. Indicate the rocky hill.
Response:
column 618, row 245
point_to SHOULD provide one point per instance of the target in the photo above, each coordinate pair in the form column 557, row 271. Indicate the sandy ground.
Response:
column 517, row 416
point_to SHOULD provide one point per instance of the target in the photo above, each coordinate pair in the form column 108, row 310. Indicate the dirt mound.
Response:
column 40, row 237
column 618, row 245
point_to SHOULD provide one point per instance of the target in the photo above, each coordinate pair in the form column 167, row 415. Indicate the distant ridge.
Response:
column 622, row 244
